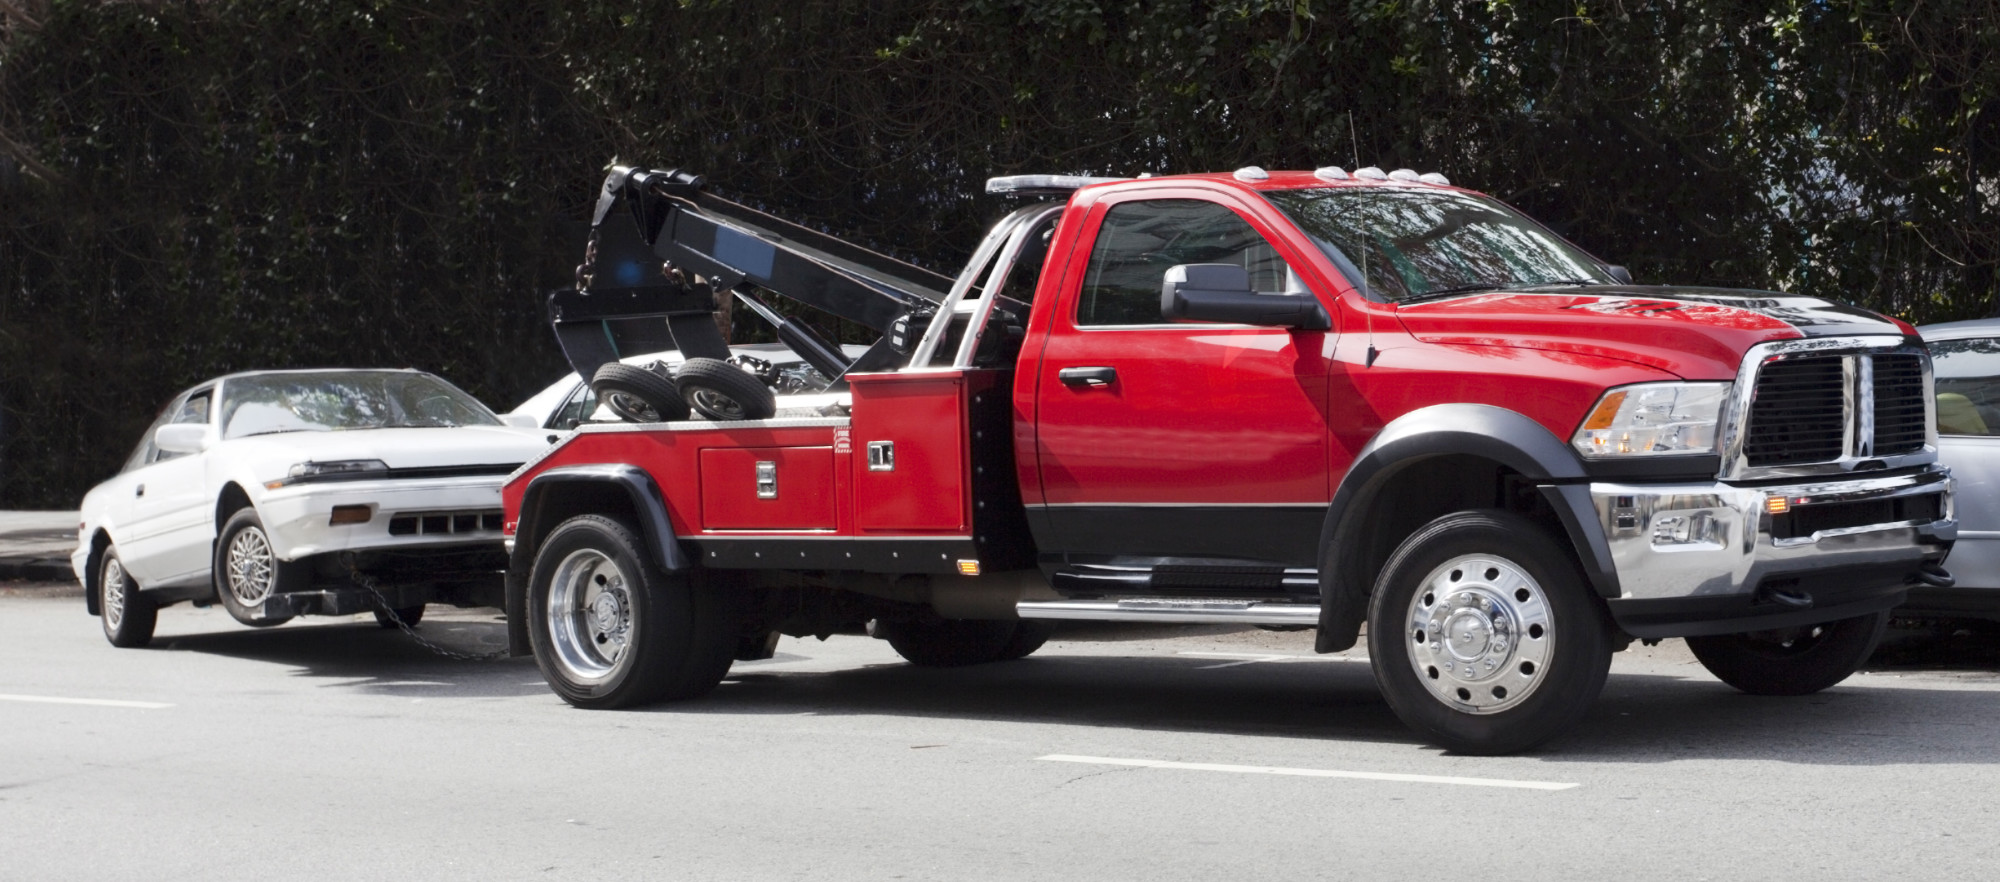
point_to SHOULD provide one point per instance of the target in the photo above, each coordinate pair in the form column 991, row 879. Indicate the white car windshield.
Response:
column 328, row 401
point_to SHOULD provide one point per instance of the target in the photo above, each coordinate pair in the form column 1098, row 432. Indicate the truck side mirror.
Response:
column 1623, row 275
column 1220, row 292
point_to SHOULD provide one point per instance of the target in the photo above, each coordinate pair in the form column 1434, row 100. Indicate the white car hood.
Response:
column 398, row 448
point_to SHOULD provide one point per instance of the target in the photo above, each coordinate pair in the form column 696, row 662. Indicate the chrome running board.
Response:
column 1172, row 609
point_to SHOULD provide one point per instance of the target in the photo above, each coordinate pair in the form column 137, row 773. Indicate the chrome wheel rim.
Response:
column 113, row 581
column 251, row 567
column 590, row 615
column 1480, row 633
column 633, row 407
column 716, row 404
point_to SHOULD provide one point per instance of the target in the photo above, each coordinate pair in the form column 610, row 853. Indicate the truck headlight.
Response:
column 1653, row 419
column 335, row 470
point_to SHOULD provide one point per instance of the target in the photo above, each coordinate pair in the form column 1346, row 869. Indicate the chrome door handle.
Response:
column 1090, row 377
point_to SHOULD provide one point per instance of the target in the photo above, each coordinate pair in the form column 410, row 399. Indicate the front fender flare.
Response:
column 1485, row 431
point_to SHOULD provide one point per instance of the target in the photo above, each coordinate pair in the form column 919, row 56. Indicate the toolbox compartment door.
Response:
column 767, row 488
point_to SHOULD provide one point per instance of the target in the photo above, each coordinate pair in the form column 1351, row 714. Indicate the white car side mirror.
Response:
column 523, row 420
column 181, row 438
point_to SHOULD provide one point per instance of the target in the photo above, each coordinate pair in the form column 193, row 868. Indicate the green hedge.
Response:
column 190, row 188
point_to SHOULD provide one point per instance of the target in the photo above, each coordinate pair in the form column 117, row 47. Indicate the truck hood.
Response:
column 1695, row 333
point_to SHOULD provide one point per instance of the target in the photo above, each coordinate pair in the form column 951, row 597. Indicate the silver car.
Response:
column 1966, row 356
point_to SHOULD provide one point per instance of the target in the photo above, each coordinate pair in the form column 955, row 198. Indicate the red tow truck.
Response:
column 1289, row 399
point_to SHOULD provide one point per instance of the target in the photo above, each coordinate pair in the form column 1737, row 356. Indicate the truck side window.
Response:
column 1140, row 241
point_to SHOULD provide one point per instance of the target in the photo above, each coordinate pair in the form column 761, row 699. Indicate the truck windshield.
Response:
column 1413, row 244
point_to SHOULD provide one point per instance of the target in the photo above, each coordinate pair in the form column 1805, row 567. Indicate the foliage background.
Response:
column 190, row 188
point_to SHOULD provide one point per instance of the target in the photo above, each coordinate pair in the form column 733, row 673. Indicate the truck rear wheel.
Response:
column 952, row 643
column 610, row 630
column 1484, row 636
column 1791, row 661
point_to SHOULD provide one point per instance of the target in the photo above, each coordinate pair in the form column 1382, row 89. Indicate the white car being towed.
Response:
column 269, row 491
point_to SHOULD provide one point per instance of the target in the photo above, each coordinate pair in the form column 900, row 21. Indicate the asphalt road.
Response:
column 336, row 750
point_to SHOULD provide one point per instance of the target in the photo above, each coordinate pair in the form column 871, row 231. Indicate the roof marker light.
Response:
column 1371, row 173
column 1252, row 173
column 1435, row 178
column 1402, row 174
column 1331, row 173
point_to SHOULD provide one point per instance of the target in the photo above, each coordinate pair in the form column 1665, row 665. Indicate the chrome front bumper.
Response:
column 1715, row 558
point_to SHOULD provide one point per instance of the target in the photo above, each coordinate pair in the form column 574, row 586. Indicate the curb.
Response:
column 37, row 569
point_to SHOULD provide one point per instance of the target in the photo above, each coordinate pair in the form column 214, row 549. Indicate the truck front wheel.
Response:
column 1484, row 636
column 1791, row 661
column 610, row 630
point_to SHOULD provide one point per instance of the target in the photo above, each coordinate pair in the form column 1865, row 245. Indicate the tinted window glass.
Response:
column 1410, row 242
column 1968, row 386
column 1140, row 241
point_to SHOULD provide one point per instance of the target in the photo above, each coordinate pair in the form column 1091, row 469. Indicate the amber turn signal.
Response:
column 350, row 514
column 1777, row 504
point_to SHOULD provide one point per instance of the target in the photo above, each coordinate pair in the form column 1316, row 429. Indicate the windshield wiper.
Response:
column 1554, row 282
column 1447, row 292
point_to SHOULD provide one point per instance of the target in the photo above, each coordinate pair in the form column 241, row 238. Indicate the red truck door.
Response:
column 1173, row 439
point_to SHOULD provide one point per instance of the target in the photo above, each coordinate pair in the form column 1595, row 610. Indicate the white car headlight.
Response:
column 332, row 470
column 1653, row 419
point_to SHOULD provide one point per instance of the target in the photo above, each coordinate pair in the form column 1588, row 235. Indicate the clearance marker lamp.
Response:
column 1653, row 419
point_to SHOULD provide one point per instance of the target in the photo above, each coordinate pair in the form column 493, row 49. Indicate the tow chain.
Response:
column 369, row 584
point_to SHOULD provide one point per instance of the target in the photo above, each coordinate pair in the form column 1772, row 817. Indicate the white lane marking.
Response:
column 96, row 702
column 1251, row 658
column 1308, row 773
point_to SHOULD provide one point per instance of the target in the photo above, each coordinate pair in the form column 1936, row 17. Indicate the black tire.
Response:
column 949, row 643
column 638, row 395
column 722, row 391
column 1534, row 642
column 127, row 616
column 610, row 630
column 248, row 572
column 1791, row 661
column 410, row 615
column 1028, row 636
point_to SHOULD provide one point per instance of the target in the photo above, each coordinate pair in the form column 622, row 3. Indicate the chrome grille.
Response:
column 1819, row 408
column 1799, row 412
column 1900, row 415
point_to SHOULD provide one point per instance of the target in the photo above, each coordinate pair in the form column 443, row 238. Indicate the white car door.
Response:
column 171, row 531
column 1968, row 421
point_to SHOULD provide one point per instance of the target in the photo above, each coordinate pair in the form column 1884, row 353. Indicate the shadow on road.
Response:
column 369, row 658
column 1903, row 702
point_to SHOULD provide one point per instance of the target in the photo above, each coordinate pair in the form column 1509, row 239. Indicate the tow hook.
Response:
column 1781, row 597
column 1933, row 574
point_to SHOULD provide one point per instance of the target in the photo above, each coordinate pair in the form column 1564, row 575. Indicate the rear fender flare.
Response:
column 1491, row 433
column 541, row 511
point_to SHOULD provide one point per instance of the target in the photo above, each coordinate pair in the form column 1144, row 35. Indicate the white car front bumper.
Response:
column 402, row 514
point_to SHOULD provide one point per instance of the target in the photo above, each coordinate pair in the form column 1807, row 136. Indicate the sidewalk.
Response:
column 35, row 545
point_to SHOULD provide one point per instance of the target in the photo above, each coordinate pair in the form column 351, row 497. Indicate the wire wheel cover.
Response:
column 252, row 569
column 113, row 580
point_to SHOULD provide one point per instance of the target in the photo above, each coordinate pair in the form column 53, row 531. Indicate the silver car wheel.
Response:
column 1480, row 633
column 252, row 567
column 590, row 615
column 112, row 578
